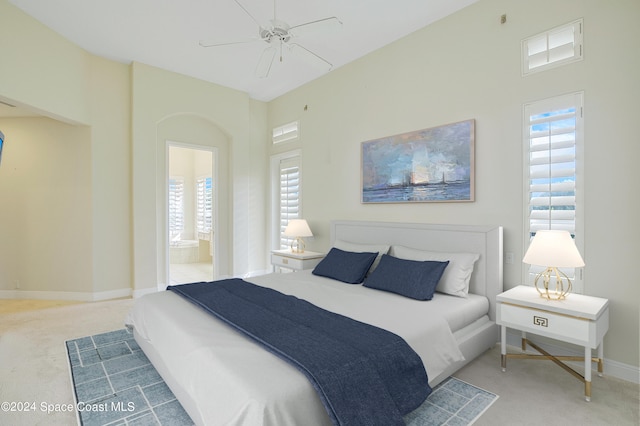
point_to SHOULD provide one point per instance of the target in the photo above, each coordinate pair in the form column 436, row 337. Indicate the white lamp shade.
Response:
column 553, row 248
column 298, row 228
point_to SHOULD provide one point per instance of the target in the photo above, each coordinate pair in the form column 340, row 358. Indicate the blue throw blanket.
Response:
column 364, row 375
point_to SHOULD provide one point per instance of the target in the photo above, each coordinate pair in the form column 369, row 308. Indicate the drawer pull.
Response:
column 285, row 261
column 540, row 321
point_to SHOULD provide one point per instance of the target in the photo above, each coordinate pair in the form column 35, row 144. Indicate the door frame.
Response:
column 216, row 213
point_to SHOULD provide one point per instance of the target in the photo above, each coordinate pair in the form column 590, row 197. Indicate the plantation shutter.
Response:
column 286, row 132
column 553, row 132
column 176, row 206
column 558, row 46
column 204, row 204
column 289, row 195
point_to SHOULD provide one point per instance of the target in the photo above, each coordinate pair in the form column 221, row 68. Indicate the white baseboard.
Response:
column 141, row 292
column 257, row 273
column 112, row 294
column 612, row 368
column 77, row 296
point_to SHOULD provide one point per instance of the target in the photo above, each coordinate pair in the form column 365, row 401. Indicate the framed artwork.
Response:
column 429, row 165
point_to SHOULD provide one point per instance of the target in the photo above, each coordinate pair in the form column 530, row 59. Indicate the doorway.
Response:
column 191, row 213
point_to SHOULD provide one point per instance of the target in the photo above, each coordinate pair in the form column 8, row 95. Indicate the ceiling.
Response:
column 166, row 34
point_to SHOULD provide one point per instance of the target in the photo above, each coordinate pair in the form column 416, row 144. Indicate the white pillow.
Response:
column 455, row 280
column 363, row 248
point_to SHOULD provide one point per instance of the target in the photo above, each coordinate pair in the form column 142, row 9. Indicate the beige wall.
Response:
column 161, row 95
column 90, row 98
column 109, row 97
column 45, row 213
column 40, row 68
column 468, row 66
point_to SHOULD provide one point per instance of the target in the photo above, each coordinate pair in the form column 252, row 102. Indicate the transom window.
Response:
column 558, row 46
column 286, row 132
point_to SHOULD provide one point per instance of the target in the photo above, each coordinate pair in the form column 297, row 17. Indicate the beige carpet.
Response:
column 33, row 368
column 538, row 392
column 33, row 358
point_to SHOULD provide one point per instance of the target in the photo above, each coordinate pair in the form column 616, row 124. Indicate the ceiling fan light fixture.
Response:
column 279, row 31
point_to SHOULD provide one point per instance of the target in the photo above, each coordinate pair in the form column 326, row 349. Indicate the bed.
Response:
column 223, row 378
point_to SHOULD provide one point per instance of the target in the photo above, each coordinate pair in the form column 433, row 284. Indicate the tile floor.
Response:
column 182, row 273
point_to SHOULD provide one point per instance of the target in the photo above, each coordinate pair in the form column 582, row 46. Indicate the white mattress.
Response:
column 223, row 378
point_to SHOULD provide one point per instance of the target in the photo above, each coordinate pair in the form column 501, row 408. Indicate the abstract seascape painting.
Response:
column 429, row 165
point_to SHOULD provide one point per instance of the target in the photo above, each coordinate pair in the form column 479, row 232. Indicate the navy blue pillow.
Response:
column 345, row 266
column 410, row 278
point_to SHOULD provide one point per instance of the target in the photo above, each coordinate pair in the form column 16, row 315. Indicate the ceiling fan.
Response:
column 278, row 34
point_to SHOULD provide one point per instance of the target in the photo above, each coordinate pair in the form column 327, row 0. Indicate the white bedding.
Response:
column 223, row 378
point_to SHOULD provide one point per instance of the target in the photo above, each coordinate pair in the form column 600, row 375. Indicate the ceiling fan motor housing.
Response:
column 279, row 32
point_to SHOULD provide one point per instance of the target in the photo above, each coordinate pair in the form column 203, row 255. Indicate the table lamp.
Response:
column 553, row 249
column 297, row 228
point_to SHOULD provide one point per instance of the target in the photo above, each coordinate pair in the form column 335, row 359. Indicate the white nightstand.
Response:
column 578, row 319
column 295, row 261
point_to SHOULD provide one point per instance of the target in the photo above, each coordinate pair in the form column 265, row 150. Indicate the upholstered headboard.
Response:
column 485, row 240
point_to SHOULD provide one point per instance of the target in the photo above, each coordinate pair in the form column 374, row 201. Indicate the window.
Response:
column 553, row 162
column 287, row 196
column 204, row 204
column 176, row 206
column 285, row 132
column 558, row 46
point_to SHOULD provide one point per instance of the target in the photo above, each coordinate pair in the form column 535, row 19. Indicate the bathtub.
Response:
column 184, row 251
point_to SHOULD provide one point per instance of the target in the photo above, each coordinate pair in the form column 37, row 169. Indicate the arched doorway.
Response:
column 192, row 164
column 191, row 213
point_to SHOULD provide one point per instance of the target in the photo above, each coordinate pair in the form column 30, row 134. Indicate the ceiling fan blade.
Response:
column 228, row 43
column 325, row 24
column 265, row 62
column 310, row 57
column 248, row 14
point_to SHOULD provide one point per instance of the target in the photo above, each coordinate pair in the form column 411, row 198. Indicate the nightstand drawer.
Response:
column 576, row 330
column 287, row 262
column 295, row 261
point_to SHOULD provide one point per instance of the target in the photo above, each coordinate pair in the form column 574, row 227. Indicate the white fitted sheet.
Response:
column 223, row 378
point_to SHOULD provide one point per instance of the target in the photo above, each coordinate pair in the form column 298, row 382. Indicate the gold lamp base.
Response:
column 561, row 291
column 297, row 245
